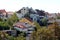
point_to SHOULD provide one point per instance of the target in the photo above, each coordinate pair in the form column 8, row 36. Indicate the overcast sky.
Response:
column 51, row 6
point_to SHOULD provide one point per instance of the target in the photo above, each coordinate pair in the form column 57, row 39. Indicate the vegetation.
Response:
column 4, row 36
column 44, row 21
column 52, row 32
column 5, row 24
column 41, row 33
column 44, row 33
column 13, row 19
column 58, row 17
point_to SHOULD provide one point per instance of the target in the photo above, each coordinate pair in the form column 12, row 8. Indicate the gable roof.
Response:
column 3, row 12
column 27, row 20
column 22, row 25
column 19, row 24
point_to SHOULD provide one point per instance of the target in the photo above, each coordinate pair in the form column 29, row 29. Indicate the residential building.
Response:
column 34, row 17
column 37, row 18
column 27, row 20
column 58, row 21
column 51, row 17
column 22, row 12
column 24, row 27
column 3, row 14
column 25, row 10
column 10, row 14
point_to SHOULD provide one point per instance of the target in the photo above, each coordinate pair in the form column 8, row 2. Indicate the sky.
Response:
column 52, row 6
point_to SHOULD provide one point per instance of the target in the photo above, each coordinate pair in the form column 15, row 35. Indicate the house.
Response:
column 25, row 10
column 24, row 27
column 51, row 17
column 22, row 12
column 34, row 17
column 3, row 14
column 10, row 13
column 37, row 18
column 58, row 21
column 27, row 20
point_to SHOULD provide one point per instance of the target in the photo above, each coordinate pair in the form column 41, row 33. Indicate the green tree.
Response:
column 4, row 25
column 13, row 19
column 37, row 25
column 44, row 21
column 44, row 33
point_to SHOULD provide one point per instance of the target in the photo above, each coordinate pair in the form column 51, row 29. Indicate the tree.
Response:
column 13, row 19
column 34, row 35
column 9, row 22
column 44, row 33
column 4, row 25
column 44, row 21
column 37, row 25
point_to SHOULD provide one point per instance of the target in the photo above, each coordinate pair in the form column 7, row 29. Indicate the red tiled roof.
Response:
column 20, row 25
column 3, row 11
